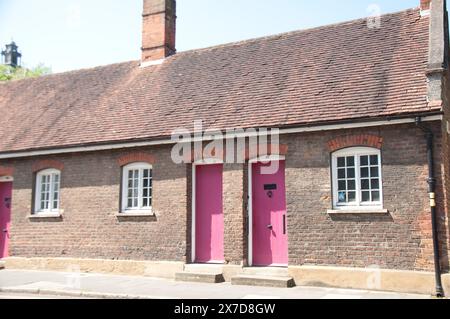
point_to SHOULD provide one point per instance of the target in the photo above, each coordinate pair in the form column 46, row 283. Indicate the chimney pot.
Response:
column 158, row 30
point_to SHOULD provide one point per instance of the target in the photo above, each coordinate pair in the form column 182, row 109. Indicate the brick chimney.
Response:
column 425, row 5
column 158, row 30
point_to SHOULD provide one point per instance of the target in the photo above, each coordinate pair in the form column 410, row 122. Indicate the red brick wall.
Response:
column 400, row 240
column 90, row 186
column 90, row 199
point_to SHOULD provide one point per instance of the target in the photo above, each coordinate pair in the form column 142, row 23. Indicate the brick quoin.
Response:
column 6, row 171
column 355, row 140
column 250, row 152
column 46, row 164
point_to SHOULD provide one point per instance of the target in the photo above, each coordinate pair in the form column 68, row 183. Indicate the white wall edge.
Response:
column 105, row 147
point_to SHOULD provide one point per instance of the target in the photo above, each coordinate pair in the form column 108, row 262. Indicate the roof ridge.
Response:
column 281, row 34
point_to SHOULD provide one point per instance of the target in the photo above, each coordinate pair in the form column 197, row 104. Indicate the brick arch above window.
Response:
column 368, row 140
column 47, row 164
column 136, row 157
column 6, row 171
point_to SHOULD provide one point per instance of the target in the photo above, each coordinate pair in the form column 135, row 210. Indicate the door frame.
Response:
column 210, row 161
column 267, row 158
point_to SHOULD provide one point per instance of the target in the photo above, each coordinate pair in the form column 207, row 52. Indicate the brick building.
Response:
column 88, row 178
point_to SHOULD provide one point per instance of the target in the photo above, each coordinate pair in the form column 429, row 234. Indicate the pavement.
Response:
column 15, row 284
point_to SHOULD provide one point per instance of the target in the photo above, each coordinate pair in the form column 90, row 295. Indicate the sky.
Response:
column 75, row 34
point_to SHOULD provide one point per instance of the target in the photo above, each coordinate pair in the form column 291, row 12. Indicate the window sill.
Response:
column 45, row 215
column 358, row 212
column 136, row 214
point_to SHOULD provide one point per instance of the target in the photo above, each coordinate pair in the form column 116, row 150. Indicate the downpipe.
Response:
column 432, row 192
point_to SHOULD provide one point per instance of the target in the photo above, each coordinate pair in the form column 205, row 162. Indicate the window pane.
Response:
column 342, row 197
column 374, row 172
column 341, row 161
column 342, row 186
column 352, row 197
column 146, row 171
column 351, row 185
column 341, row 173
column 365, row 196
column 145, row 202
column 364, row 160
column 375, row 184
column 374, row 160
column 376, row 196
column 365, row 184
column 130, row 174
column 364, row 172
column 350, row 161
column 350, row 173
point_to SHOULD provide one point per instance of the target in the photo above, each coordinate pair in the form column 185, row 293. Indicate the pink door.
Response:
column 270, row 239
column 209, row 214
column 5, row 217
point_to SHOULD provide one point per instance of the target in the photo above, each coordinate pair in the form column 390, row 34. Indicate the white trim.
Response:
column 250, row 213
column 358, row 212
column 194, row 192
column 113, row 146
column 425, row 13
column 267, row 158
column 45, row 215
column 210, row 161
column 37, row 200
column 6, row 179
column 136, row 214
column 356, row 152
column 150, row 63
column 250, row 199
column 125, row 210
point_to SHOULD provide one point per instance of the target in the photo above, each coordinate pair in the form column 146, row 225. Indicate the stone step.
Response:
column 204, row 268
column 266, row 271
column 263, row 281
column 200, row 277
column 2, row 265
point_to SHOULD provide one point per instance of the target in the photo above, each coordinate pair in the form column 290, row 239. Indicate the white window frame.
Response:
column 357, row 152
column 38, row 189
column 136, row 210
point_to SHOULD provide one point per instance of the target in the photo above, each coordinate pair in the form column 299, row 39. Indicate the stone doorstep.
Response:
column 2, row 265
column 266, row 271
column 263, row 281
column 209, row 278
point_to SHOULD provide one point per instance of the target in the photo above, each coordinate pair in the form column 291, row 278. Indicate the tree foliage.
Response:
column 8, row 73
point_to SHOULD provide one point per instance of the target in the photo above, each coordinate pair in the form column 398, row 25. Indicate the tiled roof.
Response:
column 324, row 75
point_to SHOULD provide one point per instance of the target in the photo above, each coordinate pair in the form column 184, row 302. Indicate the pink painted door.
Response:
column 5, row 217
column 209, row 247
column 270, row 239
